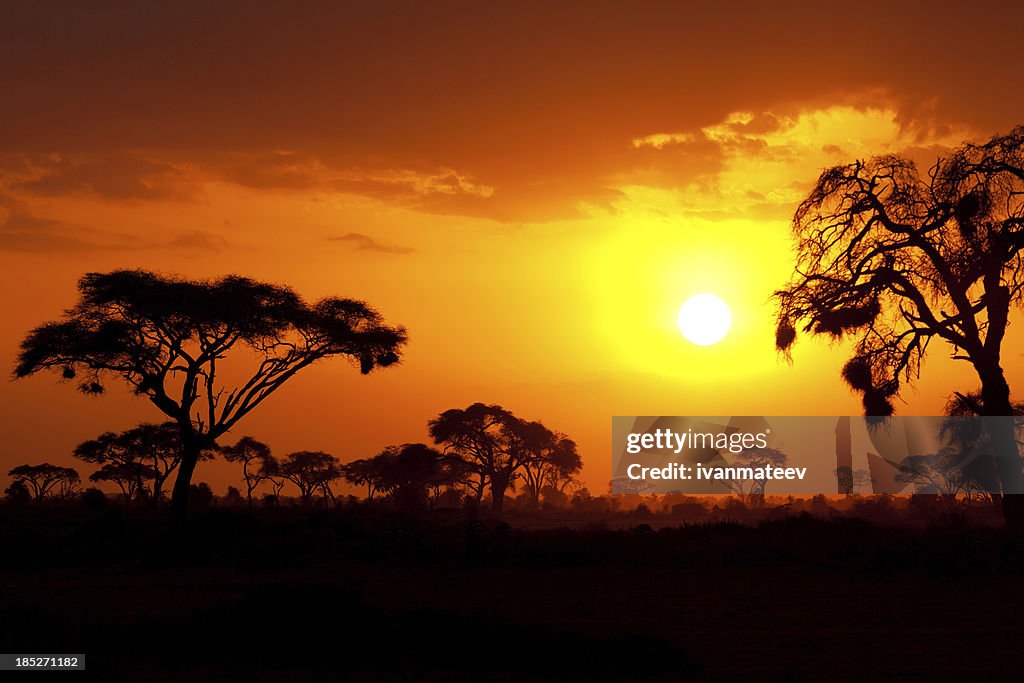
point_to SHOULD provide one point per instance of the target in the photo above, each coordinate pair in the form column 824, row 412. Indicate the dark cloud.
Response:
column 117, row 175
column 274, row 170
column 361, row 242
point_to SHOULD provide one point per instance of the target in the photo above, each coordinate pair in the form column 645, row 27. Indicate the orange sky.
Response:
column 532, row 190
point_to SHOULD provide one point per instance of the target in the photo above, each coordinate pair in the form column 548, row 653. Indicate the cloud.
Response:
column 288, row 170
column 199, row 240
column 275, row 170
column 21, row 230
column 117, row 176
column 760, row 164
column 361, row 242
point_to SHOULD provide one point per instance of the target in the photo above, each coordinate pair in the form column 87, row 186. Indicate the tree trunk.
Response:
column 498, row 494
column 190, row 450
column 999, row 423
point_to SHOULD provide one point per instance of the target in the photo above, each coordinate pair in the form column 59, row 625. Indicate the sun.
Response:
column 704, row 319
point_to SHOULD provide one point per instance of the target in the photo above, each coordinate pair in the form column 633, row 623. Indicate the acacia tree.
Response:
column 258, row 463
column 312, row 471
column 127, row 476
column 491, row 440
column 553, row 463
column 47, row 480
column 365, row 472
column 168, row 338
column 407, row 473
column 895, row 260
column 752, row 489
column 496, row 447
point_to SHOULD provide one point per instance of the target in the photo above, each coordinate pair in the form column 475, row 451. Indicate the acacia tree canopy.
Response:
column 311, row 471
column 499, row 447
column 553, row 463
column 258, row 463
column 168, row 338
column 46, row 480
column 894, row 260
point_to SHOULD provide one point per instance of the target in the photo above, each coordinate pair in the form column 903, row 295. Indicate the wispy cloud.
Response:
column 199, row 240
column 21, row 230
column 361, row 242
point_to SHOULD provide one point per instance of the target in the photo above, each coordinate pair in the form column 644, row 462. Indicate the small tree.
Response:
column 17, row 493
column 258, row 464
column 849, row 479
column 47, row 480
column 365, row 472
column 311, row 471
column 553, row 462
column 167, row 338
column 494, row 444
column 413, row 470
column 759, row 459
column 127, row 476
column 233, row 497
column 895, row 260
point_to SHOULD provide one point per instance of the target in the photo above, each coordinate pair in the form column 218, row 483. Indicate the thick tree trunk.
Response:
column 999, row 424
column 179, row 495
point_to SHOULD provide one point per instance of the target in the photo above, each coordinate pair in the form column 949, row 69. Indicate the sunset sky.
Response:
column 531, row 188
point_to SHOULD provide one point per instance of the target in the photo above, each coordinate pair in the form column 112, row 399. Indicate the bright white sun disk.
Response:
column 704, row 319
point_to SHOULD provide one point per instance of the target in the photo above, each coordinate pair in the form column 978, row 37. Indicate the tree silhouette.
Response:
column 408, row 473
column 47, row 480
column 127, row 476
column 366, row 472
column 895, row 260
column 749, row 490
column 17, row 492
column 939, row 473
column 151, row 451
column 492, row 441
column 258, row 464
column 849, row 479
column 168, row 337
column 312, row 471
column 967, row 446
column 553, row 462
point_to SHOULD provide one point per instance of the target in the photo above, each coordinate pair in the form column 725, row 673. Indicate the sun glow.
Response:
column 704, row 319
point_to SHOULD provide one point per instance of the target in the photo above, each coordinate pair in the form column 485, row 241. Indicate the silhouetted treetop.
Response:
column 47, row 480
column 258, row 463
column 499, row 448
column 895, row 260
column 312, row 471
column 137, row 324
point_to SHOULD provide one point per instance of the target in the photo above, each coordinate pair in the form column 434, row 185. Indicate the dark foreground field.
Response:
column 367, row 595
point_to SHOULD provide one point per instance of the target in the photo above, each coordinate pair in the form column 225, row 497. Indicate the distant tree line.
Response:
column 483, row 449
